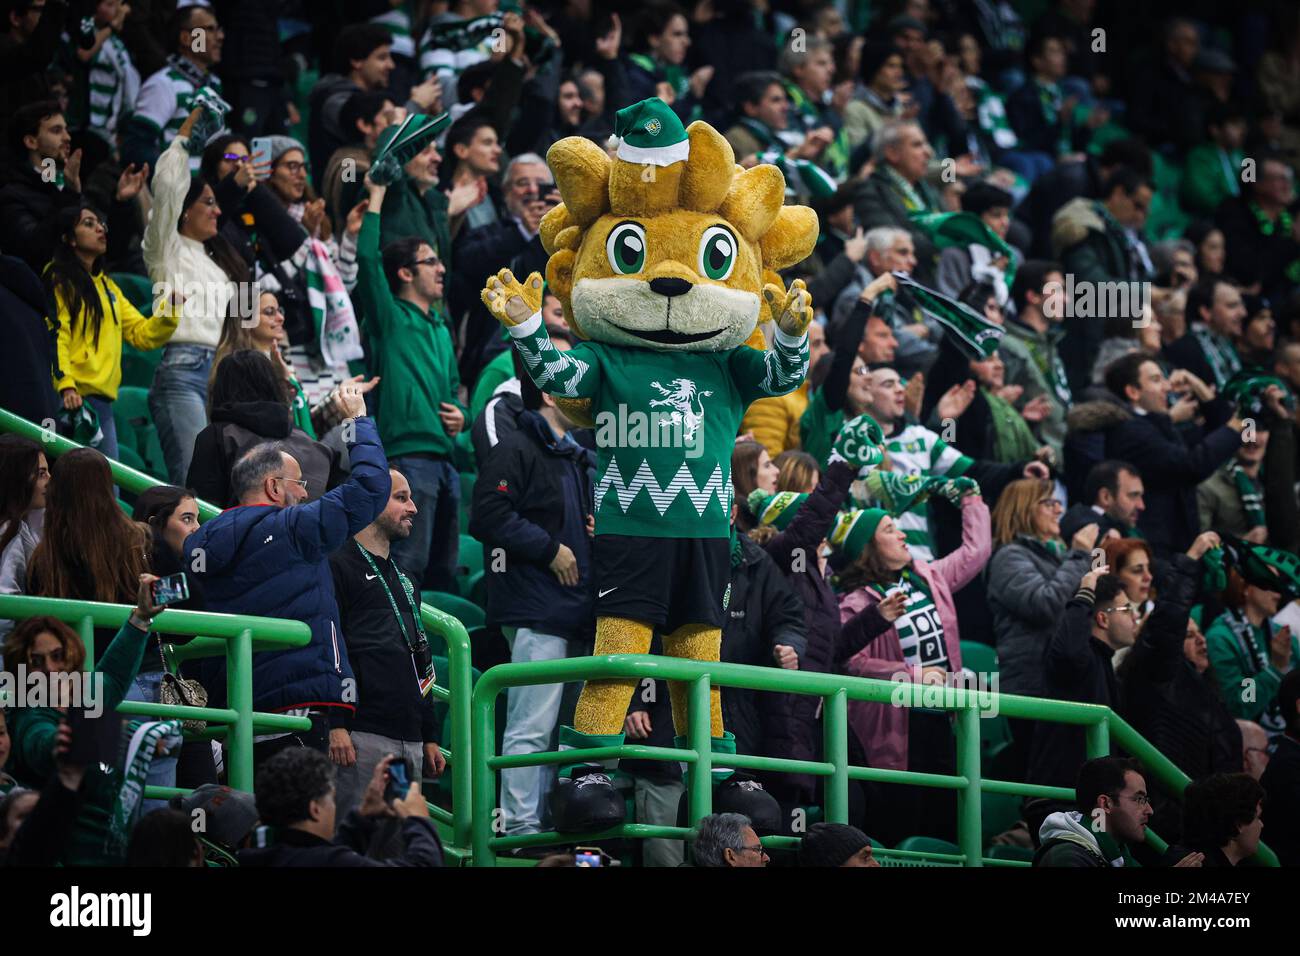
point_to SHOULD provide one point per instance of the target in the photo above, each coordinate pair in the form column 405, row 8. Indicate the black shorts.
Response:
column 666, row 582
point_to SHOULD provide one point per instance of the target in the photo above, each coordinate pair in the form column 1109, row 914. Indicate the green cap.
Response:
column 854, row 530
column 778, row 509
column 650, row 132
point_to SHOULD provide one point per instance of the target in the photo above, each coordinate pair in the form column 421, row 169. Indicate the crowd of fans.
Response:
column 1108, row 501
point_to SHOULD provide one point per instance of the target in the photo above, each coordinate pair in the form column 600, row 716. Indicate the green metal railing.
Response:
column 235, row 636
column 1100, row 724
column 454, row 687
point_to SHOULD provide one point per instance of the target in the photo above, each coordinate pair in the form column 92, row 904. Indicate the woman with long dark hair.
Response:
column 198, row 269
column 91, row 317
column 24, row 475
column 923, row 646
column 250, row 406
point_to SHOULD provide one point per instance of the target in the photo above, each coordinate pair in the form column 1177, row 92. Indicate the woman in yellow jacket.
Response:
column 92, row 317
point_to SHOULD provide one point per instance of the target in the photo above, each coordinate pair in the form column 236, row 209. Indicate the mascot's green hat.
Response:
column 854, row 530
column 777, row 509
column 650, row 132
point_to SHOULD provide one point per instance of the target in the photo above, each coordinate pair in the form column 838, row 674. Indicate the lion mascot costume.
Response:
column 665, row 260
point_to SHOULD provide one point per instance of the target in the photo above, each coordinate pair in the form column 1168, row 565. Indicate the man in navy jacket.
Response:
column 268, row 556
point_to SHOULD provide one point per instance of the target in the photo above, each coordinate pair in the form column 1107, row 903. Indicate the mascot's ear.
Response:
column 581, row 171
column 791, row 238
column 559, row 279
column 553, row 223
column 754, row 201
column 708, row 175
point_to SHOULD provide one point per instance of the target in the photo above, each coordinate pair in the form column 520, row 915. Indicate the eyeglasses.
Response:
column 1130, row 609
column 293, row 166
column 235, row 157
column 1141, row 799
column 296, row 481
column 755, row 849
column 1051, row 504
column 430, row 261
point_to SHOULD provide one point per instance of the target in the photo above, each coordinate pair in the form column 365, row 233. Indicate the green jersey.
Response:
column 666, row 423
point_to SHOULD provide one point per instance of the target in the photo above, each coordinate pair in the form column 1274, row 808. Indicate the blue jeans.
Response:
column 178, row 402
column 430, row 554
column 147, row 687
column 104, row 411
column 531, row 715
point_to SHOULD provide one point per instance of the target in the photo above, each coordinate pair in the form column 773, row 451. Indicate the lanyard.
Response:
column 406, row 586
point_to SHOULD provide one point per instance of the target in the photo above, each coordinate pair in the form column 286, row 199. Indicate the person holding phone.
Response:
column 47, row 646
column 296, row 802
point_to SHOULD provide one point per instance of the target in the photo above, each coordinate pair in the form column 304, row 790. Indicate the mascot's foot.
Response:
column 736, row 791
column 585, row 798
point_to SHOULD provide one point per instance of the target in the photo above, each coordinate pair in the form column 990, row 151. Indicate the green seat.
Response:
column 138, row 367
column 469, row 564
column 137, row 289
column 470, row 615
column 979, row 657
column 127, row 456
column 1020, row 853
column 999, row 812
column 477, row 589
column 920, row 844
column 136, row 430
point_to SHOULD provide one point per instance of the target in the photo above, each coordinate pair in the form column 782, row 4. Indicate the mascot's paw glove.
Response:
column 792, row 309
column 860, row 442
column 510, row 301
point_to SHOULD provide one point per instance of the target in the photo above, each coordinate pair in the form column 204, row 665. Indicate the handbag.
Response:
column 181, row 691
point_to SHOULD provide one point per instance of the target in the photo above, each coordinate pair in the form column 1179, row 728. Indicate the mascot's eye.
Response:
column 717, row 253
column 625, row 248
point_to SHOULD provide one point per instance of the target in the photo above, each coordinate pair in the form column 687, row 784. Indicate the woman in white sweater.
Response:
column 189, row 264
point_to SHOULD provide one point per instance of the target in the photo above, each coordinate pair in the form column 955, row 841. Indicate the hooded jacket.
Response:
column 1028, row 587
column 882, row 728
column 239, row 426
column 273, row 562
column 1064, row 840
column 1094, row 249
column 1087, row 424
column 533, row 494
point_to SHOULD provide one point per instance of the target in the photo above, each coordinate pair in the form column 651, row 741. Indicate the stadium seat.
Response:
column 477, row 589
column 999, row 812
column 979, row 657
column 470, row 564
column 1021, row 853
column 470, row 615
column 136, row 430
column 925, row 844
column 995, row 732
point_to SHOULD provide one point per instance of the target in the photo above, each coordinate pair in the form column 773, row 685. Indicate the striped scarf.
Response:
column 144, row 740
column 1252, row 499
column 912, row 197
column 1219, row 353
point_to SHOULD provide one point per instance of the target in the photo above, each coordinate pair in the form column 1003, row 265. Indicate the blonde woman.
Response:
column 1032, row 574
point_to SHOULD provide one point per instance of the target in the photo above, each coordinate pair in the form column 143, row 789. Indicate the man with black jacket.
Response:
column 1098, row 621
column 295, row 797
column 1153, row 439
column 1112, row 499
column 43, row 180
column 1282, row 778
column 532, row 510
column 389, row 652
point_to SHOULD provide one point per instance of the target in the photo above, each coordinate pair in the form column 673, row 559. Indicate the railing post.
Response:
column 835, row 744
column 700, row 735
column 239, row 692
column 86, row 627
column 1098, row 739
column 969, row 827
column 481, row 750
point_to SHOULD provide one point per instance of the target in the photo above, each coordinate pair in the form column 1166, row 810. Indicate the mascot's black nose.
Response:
column 669, row 286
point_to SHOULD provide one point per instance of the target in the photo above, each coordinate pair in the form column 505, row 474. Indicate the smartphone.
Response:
column 401, row 774
column 591, row 856
column 171, row 589
column 261, row 154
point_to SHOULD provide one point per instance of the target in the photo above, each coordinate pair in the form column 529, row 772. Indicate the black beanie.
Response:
column 979, row 198
column 830, row 844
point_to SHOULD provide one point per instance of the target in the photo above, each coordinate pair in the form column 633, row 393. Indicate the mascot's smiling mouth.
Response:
column 667, row 336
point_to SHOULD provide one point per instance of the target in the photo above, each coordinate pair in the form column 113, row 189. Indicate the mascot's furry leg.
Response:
column 602, row 706
column 696, row 642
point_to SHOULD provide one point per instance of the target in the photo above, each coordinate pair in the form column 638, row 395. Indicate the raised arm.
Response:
column 518, row 306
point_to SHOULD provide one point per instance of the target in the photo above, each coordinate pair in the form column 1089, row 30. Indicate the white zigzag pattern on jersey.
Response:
column 663, row 498
column 551, row 370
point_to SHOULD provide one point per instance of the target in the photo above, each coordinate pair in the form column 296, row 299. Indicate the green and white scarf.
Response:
column 1248, row 637
column 1252, row 498
column 920, row 629
column 1219, row 352
column 913, row 198
column 143, row 745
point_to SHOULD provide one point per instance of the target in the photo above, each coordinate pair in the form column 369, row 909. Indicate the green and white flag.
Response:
column 975, row 335
column 964, row 229
column 802, row 177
